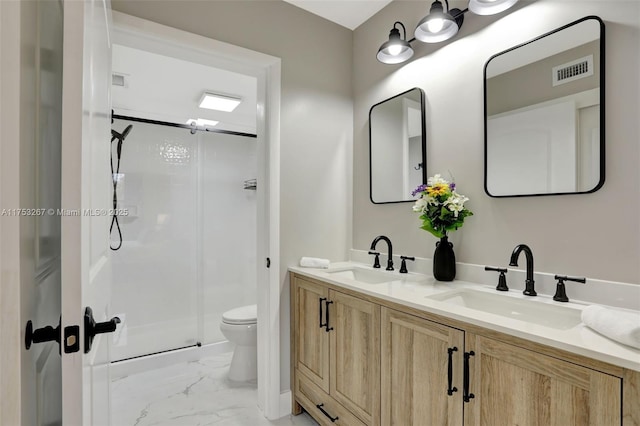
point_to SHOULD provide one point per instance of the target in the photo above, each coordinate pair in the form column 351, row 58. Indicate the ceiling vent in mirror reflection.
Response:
column 544, row 135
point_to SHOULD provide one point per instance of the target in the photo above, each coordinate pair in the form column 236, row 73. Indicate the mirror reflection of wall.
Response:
column 543, row 114
column 397, row 147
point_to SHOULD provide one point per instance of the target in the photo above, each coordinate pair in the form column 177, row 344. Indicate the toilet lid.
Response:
column 243, row 315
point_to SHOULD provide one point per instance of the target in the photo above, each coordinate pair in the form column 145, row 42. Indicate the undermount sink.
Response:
column 370, row 276
column 527, row 310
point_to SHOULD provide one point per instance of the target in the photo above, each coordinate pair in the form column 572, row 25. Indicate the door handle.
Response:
column 326, row 315
column 466, row 396
column 41, row 335
column 451, row 389
column 321, row 299
column 91, row 328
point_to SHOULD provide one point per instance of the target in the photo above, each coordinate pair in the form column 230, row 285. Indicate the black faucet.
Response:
column 389, row 247
column 529, row 289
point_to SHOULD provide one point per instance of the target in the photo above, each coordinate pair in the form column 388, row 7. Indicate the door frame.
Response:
column 161, row 39
column 11, row 334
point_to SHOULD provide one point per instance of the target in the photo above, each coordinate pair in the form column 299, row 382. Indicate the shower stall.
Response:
column 189, row 237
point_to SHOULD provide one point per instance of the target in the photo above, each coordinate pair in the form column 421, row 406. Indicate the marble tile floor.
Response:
column 190, row 394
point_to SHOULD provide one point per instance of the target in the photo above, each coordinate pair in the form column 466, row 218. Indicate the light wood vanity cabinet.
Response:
column 336, row 341
column 415, row 371
column 382, row 363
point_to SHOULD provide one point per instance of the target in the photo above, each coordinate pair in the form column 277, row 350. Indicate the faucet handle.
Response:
column 502, row 279
column 376, row 262
column 561, row 292
column 403, row 265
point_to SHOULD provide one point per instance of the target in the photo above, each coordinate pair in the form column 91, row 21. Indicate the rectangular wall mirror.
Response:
column 544, row 114
column 397, row 147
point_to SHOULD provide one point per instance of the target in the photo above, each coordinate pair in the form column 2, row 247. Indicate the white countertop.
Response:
column 415, row 292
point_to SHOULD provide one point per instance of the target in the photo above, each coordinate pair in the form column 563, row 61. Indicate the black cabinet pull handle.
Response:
column 451, row 390
column 466, row 397
column 333, row 419
column 326, row 315
column 321, row 299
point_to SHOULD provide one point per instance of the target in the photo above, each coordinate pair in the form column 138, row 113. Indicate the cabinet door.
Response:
column 310, row 339
column 355, row 355
column 415, row 371
column 516, row 386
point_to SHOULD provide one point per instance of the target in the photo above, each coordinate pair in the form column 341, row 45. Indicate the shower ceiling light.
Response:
column 439, row 25
column 202, row 122
column 219, row 102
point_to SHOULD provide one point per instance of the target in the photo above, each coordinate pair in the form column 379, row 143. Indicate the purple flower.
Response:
column 419, row 189
column 452, row 186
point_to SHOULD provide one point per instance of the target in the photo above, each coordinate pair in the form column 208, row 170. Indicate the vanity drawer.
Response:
column 310, row 396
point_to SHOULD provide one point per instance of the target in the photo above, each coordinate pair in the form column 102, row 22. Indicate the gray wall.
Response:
column 316, row 117
column 595, row 235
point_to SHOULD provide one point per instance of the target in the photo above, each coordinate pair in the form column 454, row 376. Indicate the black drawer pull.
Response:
column 326, row 316
column 451, row 390
column 466, row 396
column 333, row 419
column 321, row 299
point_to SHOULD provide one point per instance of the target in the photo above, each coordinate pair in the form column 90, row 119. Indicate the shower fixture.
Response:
column 115, row 176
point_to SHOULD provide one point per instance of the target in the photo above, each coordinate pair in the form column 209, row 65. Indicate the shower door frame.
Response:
column 147, row 35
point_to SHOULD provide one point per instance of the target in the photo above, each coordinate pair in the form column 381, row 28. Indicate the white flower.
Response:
column 420, row 205
column 436, row 179
column 455, row 203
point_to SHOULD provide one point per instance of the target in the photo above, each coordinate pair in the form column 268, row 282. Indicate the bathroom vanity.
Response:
column 370, row 352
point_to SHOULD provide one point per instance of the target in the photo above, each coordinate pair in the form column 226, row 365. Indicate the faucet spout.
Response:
column 389, row 248
column 529, row 282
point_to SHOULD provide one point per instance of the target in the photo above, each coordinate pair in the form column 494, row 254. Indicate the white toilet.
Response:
column 240, row 326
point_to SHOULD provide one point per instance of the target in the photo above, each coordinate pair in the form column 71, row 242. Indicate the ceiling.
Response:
column 165, row 88
column 168, row 89
column 348, row 13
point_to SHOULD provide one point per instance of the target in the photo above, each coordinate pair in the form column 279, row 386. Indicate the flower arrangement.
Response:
column 442, row 208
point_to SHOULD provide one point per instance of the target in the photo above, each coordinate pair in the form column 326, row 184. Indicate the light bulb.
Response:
column 435, row 25
column 395, row 49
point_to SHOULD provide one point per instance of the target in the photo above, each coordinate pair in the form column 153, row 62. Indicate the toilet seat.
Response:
column 241, row 316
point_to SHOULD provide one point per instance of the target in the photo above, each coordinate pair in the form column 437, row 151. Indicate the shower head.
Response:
column 120, row 136
column 126, row 131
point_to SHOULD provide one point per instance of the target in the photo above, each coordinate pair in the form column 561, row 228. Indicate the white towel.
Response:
column 314, row 262
column 623, row 327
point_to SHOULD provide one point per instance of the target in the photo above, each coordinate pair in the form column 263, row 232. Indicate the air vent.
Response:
column 574, row 70
column 118, row 80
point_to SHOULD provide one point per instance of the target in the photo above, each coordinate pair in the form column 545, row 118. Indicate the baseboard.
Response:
column 285, row 404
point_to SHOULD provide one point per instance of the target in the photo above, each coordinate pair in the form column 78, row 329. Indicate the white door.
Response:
column 85, row 202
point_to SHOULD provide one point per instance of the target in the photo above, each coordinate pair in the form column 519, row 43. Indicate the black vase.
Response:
column 444, row 260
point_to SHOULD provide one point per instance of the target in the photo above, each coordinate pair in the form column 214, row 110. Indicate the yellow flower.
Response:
column 437, row 189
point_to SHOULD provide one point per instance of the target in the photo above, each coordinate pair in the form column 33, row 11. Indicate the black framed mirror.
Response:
column 544, row 114
column 397, row 147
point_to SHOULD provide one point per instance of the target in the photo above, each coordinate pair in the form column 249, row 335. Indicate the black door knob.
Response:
column 41, row 335
column 91, row 328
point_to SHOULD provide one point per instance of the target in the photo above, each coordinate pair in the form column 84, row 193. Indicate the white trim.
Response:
column 285, row 403
column 10, row 324
column 156, row 38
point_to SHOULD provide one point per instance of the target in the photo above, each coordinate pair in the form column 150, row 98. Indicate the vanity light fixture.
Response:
column 219, row 102
column 439, row 25
column 397, row 49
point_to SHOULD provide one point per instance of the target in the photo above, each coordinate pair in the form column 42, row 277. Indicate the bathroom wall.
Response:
column 316, row 122
column 595, row 235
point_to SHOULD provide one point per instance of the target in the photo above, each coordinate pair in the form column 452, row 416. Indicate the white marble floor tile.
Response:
column 190, row 394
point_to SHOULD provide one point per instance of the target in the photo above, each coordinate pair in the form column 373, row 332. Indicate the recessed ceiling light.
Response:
column 219, row 102
column 202, row 122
